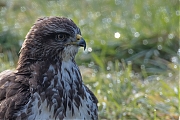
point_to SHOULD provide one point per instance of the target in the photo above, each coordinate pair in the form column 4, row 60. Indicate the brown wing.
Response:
column 13, row 94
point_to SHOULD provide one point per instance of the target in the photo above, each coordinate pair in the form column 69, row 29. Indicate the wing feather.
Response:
column 13, row 94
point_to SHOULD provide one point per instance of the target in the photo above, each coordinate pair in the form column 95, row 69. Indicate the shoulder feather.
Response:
column 13, row 94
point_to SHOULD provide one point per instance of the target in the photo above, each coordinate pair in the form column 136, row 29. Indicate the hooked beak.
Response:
column 81, row 43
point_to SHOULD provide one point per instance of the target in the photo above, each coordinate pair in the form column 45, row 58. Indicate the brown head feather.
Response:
column 39, row 44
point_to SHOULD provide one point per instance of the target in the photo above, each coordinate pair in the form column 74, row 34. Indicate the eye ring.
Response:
column 61, row 36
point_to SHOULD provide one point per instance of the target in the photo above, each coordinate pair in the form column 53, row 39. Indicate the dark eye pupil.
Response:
column 61, row 36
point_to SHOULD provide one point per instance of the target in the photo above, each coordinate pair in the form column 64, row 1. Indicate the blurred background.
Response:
column 132, row 58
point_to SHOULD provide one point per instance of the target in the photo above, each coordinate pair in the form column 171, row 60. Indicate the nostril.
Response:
column 78, row 37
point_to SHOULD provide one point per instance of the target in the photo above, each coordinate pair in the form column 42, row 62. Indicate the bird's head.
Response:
column 52, row 38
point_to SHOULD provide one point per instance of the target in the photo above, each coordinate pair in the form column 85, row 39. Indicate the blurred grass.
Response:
column 134, row 76
column 123, row 94
column 148, row 29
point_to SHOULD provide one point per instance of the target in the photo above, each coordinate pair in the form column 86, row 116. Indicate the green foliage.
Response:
column 123, row 94
column 148, row 29
column 143, row 85
column 7, row 61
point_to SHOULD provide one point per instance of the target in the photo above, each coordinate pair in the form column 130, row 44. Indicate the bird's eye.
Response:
column 61, row 36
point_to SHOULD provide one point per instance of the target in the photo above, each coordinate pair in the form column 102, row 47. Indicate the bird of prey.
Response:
column 47, row 83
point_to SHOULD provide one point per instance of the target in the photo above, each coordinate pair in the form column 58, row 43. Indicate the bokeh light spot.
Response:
column 117, row 35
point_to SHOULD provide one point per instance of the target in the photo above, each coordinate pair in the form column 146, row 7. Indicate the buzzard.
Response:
column 47, row 83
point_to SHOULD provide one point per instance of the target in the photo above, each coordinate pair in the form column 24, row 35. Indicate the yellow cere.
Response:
column 78, row 37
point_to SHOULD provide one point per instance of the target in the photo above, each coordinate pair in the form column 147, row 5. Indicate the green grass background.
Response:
column 135, row 76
